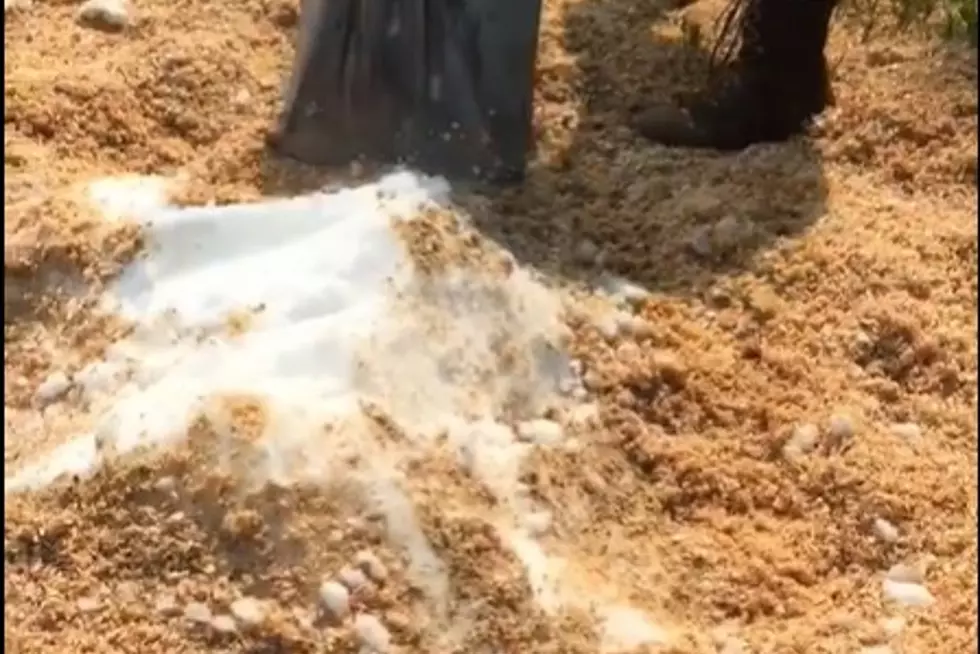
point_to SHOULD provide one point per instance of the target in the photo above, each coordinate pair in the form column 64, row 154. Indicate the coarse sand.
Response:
column 786, row 417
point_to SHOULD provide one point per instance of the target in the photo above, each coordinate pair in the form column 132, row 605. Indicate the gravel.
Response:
column 334, row 599
column 198, row 613
column 540, row 432
column 372, row 635
column 371, row 565
column 107, row 15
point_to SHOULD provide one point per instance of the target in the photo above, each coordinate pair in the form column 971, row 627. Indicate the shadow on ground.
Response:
column 598, row 197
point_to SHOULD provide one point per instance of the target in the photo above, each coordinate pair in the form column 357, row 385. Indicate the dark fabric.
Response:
column 443, row 85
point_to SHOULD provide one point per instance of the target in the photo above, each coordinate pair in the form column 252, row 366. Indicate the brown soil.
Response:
column 825, row 281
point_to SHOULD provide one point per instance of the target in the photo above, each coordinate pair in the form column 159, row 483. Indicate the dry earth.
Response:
column 790, row 413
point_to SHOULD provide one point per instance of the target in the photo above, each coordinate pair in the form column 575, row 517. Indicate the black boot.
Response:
column 776, row 82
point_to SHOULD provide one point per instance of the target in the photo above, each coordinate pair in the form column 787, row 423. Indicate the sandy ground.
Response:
column 790, row 413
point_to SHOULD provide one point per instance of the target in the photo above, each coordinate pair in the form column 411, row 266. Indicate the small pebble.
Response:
column 893, row 626
column 167, row 606
column 248, row 611
column 540, row 432
column 352, row 578
column 165, row 485
column 909, row 594
column 840, row 431
column 224, row 624
column 88, row 604
column 52, row 388
column 197, row 612
column 373, row 635
column 885, row 530
column 907, row 431
column 109, row 15
column 726, row 234
column 537, row 523
column 587, row 252
column 608, row 326
column 371, row 565
column 16, row 5
column 904, row 573
column 335, row 599
column 636, row 326
column 583, row 415
column 803, row 441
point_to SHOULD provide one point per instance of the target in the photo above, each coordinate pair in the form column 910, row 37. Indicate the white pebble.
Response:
column 909, row 594
column 840, row 431
column 371, row 565
column 197, row 612
column 540, row 432
column 893, row 626
column 537, row 523
column 352, row 578
column 583, row 415
column 165, row 485
column 803, row 441
column 248, row 611
column 904, row 573
column 885, row 530
column 635, row 326
column 371, row 633
column 587, row 252
column 105, row 14
column 167, row 606
column 224, row 624
column 335, row 599
column 16, row 5
column 907, row 431
column 88, row 604
column 608, row 326
column 52, row 388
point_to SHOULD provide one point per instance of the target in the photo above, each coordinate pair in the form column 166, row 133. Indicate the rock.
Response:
column 583, row 415
column 623, row 290
column 167, row 606
column 248, row 611
column 540, row 432
column 893, row 626
column 371, row 565
column 907, row 431
column 803, row 441
column 52, row 388
column 334, row 599
column 372, row 635
column 635, row 326
column 718, row 239
column 224, row 624
column 904, row 573
column 607, row 325
column 840, row 432
column 353, row 578
column 903, row 584
column 587, row 252
column 197, row 613
column 726, row 234
column 88, row 605
column 165, row 485
column 106, row 15
column 537, row 523
column 16, row 5
column 885, row 530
